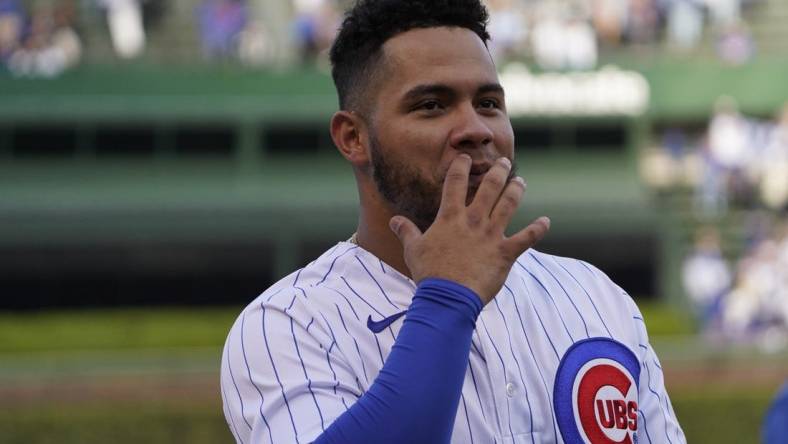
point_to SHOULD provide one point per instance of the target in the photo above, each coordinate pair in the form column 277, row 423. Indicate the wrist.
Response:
column 451, row 292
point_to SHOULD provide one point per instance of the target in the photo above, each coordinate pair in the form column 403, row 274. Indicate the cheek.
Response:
column 419, row 146
column 504, row 137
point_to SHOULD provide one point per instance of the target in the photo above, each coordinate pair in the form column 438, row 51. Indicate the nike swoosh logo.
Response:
column 379, row 326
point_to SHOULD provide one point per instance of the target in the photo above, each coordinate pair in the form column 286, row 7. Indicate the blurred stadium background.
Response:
column 162, row 162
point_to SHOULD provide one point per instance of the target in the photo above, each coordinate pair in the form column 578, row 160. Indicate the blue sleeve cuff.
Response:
column 450, row 293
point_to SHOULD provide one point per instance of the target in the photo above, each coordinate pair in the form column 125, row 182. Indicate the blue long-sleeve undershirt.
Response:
column 415, row 396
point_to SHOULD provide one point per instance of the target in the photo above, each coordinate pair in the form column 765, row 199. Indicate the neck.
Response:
column 375, row 236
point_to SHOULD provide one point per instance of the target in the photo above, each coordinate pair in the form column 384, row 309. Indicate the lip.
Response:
column 474, row 181
column 480, row 169
column 477, row 173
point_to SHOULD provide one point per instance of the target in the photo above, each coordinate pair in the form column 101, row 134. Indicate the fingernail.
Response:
column 519, row 180
column 505, row 161
column 546, row 221
column 394, row 224
column 466, row 156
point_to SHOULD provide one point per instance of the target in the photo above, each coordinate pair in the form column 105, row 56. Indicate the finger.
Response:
column 490, row 189
column 405, row 230
column 508, row 202
column 455, row 186
column 528, row 236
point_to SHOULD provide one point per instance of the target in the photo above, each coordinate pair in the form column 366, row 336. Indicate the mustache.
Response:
column 512, row 173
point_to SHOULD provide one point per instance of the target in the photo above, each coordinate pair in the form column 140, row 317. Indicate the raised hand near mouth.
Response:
column 468, row 244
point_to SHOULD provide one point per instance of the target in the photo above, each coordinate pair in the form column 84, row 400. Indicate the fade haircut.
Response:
column 356, row 55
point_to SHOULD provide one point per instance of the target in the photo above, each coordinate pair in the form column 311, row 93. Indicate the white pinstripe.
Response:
column 300, row 354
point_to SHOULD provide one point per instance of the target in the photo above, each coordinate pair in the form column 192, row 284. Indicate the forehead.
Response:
column 455, row 57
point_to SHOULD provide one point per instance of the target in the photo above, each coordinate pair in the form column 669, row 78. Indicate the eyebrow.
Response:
column 426, row 90
column 440, row 89
column 490, row 88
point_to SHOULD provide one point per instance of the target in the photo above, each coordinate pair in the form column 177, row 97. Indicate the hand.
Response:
column 468, row 244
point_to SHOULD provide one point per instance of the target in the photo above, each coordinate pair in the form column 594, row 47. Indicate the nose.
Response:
column 470, row 131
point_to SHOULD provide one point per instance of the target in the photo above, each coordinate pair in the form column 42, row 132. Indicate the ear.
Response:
column 349, row 133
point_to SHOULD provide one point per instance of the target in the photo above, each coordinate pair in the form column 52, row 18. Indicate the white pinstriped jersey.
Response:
column 301, row 353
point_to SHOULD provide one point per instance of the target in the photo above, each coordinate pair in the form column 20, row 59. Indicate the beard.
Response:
column 406, row 190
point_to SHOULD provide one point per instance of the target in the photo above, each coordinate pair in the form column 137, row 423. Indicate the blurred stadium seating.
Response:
column 185, row 172
column 170, row 169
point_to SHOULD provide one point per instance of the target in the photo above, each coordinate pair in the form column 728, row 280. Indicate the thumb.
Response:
column 530, row 235
column 405, row 230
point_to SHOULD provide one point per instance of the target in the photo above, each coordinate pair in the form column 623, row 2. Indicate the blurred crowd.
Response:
column 736, row 179
column 41, row 37
column 744, row 161
column 737, row 161
column 748, row 300
column 39, row 42
column 568, row 34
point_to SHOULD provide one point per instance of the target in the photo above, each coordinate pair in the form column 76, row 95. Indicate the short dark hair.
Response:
column 356, row 52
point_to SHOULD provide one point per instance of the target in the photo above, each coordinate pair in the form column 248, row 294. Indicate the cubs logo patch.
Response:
column 596, row 393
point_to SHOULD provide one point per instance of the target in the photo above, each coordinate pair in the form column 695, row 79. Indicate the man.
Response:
column 430, row 324
column 775, row 422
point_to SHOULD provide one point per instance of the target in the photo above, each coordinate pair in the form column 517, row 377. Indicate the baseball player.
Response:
column 431, row 325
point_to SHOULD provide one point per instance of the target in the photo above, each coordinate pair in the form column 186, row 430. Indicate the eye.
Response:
column 489, row 104
column 429, row 105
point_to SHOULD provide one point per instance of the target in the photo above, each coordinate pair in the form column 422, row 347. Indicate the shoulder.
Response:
column 588, row 286
column 310, row 297
column 568, row 269
column 308, row 282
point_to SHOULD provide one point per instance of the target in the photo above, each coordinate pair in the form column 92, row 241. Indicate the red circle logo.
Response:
column 605, row 402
